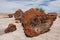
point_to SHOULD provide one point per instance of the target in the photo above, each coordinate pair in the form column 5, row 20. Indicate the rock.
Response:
column 52, row 15
column 35, row 22
column 10, row 28
column 10, row 15
column 59, row 16
column 17, row 21
column 18, row 14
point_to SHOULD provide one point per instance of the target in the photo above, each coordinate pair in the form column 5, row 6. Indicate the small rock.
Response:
column 10, row 28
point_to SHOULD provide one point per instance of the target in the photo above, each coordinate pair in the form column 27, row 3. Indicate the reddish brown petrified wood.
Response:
column 36, row 22
column 10, row 28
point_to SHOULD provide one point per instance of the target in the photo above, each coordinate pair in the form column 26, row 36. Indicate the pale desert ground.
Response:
column 53, row 34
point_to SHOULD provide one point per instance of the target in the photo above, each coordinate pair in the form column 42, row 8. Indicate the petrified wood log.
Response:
column 10, row 28
column 34, row 22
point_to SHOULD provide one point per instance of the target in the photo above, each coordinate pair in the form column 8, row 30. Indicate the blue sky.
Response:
column 13, row 5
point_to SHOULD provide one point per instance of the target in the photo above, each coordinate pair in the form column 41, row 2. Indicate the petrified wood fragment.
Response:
column 18, row 14
column 10, row 15
column 52, row 15
column 10, row 28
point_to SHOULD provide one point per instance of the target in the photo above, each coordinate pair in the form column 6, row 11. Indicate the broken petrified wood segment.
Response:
column 10, row 28
column 10, row 15
column 53, row 15
column 35, row 22
column 18, row 14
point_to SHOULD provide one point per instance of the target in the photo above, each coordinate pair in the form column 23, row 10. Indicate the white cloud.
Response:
column 9, row 6
column 53, row 6
column 12, row 6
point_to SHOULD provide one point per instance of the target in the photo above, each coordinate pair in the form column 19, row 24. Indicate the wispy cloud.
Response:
column 13, row 5
column 53, row 6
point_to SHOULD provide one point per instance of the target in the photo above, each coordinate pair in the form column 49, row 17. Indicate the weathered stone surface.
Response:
column 52, row 15
column 10, row 28
column 35, row 22
column 59, row 16
column 17, row 21
column 18, row 14
column 10, row 15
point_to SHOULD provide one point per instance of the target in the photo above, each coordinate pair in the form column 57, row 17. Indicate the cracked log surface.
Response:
column 35, row 22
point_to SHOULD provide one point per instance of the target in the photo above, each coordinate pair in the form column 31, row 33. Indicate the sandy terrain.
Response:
column 53, row 34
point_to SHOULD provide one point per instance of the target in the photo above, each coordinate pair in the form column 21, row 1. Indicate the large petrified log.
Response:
column 18, row 14
column 10, row 28
column 34, row 22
